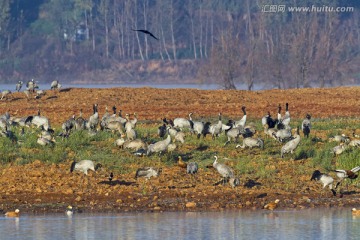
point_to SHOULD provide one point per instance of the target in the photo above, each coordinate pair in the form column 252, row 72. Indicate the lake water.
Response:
column 239, row 86
column 302, row 224
column 46, row 86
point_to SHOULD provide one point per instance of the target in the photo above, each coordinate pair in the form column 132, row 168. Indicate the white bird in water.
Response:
column 69, row 211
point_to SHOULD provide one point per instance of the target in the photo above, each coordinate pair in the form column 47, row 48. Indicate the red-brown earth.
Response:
column 40, row 187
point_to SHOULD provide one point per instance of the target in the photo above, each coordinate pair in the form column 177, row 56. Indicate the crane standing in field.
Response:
column 291, row 145
column 19, row 86
column 306, row 125
column 343, row 174
column 147, row 173
column 225, row 171
column 84, row 166
column 325, row 179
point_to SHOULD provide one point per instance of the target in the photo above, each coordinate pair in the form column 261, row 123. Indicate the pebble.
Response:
column 190, row 204
column 69, row 191
column 78, row 199
column 215, row 206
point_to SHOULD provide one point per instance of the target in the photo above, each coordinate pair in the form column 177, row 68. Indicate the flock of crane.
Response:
column 172, row 131
column 32, row 89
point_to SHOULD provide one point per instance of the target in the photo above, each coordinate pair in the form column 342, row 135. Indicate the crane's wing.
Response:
column 355, row 169
column 153, row 36
column 146, row 32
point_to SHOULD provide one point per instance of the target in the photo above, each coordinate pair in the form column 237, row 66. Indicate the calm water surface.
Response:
column 46, row 86
column 304, row 224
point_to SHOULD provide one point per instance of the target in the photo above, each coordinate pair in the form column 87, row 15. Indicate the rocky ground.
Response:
column 39, row 187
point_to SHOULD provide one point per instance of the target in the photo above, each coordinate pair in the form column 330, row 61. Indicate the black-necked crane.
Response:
column 39, row 121
column 343, row 174
column 306, row 125
column 242, row 121
column 325, row 179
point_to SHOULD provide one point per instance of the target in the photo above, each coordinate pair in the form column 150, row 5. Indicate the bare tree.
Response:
column 172, row 16
column 191, row 13
column 104, row 9
column 145, row 5
column 223, row 66
column 4, row 22
column 250, row 62
column 137, row 33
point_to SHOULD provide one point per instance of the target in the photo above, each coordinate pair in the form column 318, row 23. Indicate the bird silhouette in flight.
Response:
column 146, row 32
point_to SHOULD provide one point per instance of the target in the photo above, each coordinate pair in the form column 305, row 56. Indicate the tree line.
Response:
column 228, row 42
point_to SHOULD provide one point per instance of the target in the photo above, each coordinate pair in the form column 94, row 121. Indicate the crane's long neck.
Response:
column 244, row 110
column 215, row 162
column 135, row 118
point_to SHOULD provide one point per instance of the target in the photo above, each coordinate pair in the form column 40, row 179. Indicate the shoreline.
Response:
column 126, row 195
column 48, row 208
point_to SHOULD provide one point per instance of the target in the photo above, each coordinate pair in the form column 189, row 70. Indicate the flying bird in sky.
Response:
column 146, row 32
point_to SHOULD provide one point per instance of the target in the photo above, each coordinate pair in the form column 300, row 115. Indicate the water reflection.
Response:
column 305, row 224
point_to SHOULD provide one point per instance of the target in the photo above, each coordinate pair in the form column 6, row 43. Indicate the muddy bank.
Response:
column 38, row 187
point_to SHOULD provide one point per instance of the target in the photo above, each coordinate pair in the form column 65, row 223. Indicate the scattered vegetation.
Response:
column 250, row 163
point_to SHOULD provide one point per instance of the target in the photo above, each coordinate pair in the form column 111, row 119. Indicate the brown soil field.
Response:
column 154, row 104
column 39, row 187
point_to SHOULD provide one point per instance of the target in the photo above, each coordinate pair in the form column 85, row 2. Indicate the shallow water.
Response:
column 304, row 224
